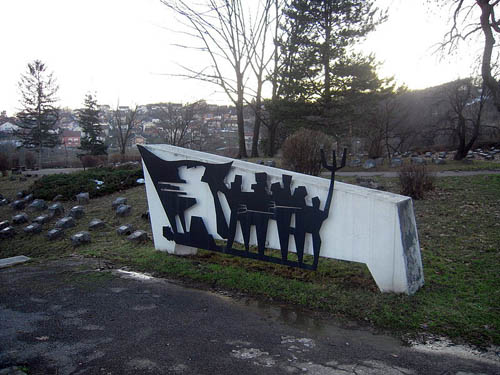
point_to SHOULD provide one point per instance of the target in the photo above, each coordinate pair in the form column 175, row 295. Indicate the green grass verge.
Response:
column 459, row 229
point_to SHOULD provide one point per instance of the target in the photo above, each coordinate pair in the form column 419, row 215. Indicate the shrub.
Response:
column 301, row 151
column 415, row 181
column 89, row 161
column 30, row 160
column 119, row 158
column 4, row 164
column 14, row 160
column 69, row 185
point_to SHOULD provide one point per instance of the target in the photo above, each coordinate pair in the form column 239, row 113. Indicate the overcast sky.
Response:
column 123, row 50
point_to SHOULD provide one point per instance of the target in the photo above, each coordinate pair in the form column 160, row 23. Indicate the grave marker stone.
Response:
column 66, row 222
column 76, row 212
column 20, row 218
column 55, row 233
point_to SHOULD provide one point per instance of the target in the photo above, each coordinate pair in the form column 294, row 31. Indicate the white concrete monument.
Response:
column 199, row 200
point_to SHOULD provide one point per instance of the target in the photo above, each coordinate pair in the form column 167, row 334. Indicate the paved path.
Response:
column 64, row 317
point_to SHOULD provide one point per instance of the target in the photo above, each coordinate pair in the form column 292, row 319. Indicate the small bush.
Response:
column 301, row 151
column 415, row 181
column 14, row 160
column 119, row 158
column 30, row 160
column 69, row 185
column 4, row 164
column 89, row 161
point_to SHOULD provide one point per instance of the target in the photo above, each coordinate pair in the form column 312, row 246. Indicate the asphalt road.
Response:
column 66, row 317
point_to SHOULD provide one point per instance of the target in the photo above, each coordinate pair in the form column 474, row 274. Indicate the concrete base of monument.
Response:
column 183, row 250
column 363, row 225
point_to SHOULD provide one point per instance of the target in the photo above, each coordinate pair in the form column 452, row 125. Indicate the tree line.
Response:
column 303, row 51
column 294, row 63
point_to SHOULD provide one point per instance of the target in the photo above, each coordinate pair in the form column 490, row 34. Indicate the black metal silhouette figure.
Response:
column 253, row 208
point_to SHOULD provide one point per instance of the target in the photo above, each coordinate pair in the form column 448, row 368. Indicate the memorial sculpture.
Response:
column 202, row 201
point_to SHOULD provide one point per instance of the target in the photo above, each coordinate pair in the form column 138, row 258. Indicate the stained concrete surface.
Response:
column 64, row 317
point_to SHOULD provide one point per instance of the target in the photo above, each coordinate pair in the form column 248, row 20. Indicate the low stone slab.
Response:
column 123, row 210
column 12, row 261
column 96, row 224
column 38, row 205
column 4, row 202
column 21, row 194
column 125, row 229
column 55, row 233
column 77, row 212
column 58, row 198
column 369, row 164
column 396, row 162
column 138, row 236
column 439, row 161
column 28, row 198
column 80, row 238
column 32, row 228
column 118, row 201
column 355, row 163
column 418, row 161
column 20, row 218
column 7, row 232
column 56, row 209
column 18, row 204
column 4, row 224
column 42, row 219
column 83, row 198
column 66, row 222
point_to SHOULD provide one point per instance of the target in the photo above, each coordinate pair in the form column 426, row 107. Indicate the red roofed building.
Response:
column 71, row 138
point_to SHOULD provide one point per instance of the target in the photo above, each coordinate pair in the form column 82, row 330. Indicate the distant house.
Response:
column 71, row 138
column 8, row 127
column 138, row 140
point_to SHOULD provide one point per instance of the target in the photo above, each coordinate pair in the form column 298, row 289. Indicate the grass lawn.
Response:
column 459, row 229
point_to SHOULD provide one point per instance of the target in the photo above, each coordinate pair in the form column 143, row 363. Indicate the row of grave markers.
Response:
column 57, row 209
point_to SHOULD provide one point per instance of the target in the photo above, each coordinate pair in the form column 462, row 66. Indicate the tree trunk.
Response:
column 461, row 153
column 489, row 42
column 256, row 126
column 271, row 138
column 326, row 55
column 242, row 149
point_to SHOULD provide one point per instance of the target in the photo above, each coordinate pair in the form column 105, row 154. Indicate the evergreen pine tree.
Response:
column 39, row 114
column 88, row 118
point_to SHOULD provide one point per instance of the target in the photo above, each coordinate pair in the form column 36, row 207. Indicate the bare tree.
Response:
column 470, row 18
column 262, row 56
column 465, row 104
column 125, row 121
column 179, row 124
column 219, row 28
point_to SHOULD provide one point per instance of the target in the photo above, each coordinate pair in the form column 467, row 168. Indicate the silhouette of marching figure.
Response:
column 283, row 210
column 249, row 208
column 233, row 197
column 310, row 218
column 254, row 210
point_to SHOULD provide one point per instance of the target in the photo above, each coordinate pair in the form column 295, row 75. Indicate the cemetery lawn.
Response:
column 459, row 230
